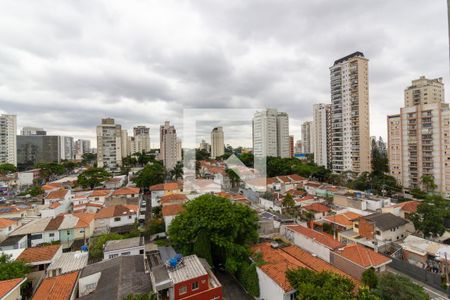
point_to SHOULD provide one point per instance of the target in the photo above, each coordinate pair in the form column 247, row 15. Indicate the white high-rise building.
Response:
column 67, row 147
column 81, row 147
column 168, row 145
column 27, row 131
column 8, row 139
column 142, row 138
column 179, row 150
column 307, row 137
column 350, row 114
column 321, row 118
column 109, row 144
column 205, row 146
column 217, row 142
column 271, row 133
column 125, row 146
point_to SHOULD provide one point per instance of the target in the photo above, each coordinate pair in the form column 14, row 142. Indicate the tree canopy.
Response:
column 7, row 168
column 227, row 229
column 394, row 287
column 10, row 269
column 49, row 170
column 93, row 177
column 430, row 216
column 151, row 174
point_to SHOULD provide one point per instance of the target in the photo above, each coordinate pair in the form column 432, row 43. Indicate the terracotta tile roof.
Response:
column 305, row 198
column 295, row 177
column 173, row 198
column 54, row 223
column 169, row 186
column 38, row 254
column 277, row 263
column 126, row 191
column 58, row 287
column 7, row 286
column 172, row 210
column 59, row 194
column 409, row 206
column 295, row 192
column 11, row 209
column 6, row 222
column 283, row 179
column 344, row 219
column 84, row 219
column 51, row 186
column 313, row 184
column 363, row 256
column 93, row 204
column 317, row 207
column 100, row 193
column 54, row 205
column 319, row 237
column 115, row 211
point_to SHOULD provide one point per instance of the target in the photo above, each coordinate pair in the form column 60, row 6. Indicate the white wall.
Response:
column 308, row 244
column 156, row 195
column 123, row 252
column 88, row 284
column 391, row 235
column 269, row 289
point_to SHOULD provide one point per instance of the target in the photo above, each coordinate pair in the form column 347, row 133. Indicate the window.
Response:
column 36, row 237
column 129, row 217
column 377, row 232
column 195, row 285
column 182, row 290
column 113, row 255
column 51, row 235
column 68, row 232
column 117, row 219
column 141, row 251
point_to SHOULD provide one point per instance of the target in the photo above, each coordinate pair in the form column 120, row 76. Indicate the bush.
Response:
column 248, row 277
column 96, row 244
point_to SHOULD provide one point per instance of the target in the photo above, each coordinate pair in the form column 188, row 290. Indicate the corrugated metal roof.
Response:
column 70, row 261
column 190, row 268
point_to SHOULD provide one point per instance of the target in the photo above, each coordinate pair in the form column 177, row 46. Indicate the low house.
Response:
column 130, row 246
column 173, row 199
column 6, row 227
column 80, row 198
column 92, row 207
column 10, row 289
column 317, row 210
column 341, row 221
column 14, row 242
column 355, row 259
column 162, row 189
column 403, row 209
column 114, row 278
column 169, row 212
column 51, row 187
column 185, row 278
column 99, row 196
column 61, row 196
column 315, row 242
column 35, row 231
column 85, row 226
column 114, row 217
column 115, row 182
column 68, row 262
column 62, row 287
column 273, row 283
column 125, row 196
column 14, row 211
column 424, row 253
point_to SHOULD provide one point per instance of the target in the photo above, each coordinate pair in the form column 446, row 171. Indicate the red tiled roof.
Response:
column 93, row 204
column 59, row 194
column 283, row 179
column 116, row 211
column 54, row 223
column 100, row 193
column 317, row 207
column 51, row 186
column 363, row 256
column 6, row 222
column 169, row 186
column 54, row 205
column 84, row 219
column 313, row 184
column 295, row 177
column 321, row 238
column 409, row 206
column 177, row 198
column 343, row 219
column 59, row 287
column 38, row 254
column 126, row 191
column 172, row 210
column 305, row 198
column 7, row 286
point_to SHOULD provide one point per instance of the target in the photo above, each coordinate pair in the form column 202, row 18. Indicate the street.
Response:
column 231, row 288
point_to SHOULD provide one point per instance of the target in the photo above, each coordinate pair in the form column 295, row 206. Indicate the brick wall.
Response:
column 366, row 228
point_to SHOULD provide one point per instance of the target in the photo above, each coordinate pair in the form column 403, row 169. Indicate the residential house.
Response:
column 341, row 221
column 85, row 226
column 99, row 196
column 315, row 242
column 35, row 232
column 14, row 211
column 68, row 262
column 67, row 230
column 403, row 209
column 130, row 246
column 14, row 243
column 52, row 187
column 114, row 278
column 169, row 212
column 79, row 198
column 317, row 210
column 115, row 182
column 93, row 208
column 62, row 287
column 162, row 189
column 124, row 196
column 173, row 199
column 10, row 289
column 115, row 217
column 6, row 227
column 62, row 196
column 355, row 259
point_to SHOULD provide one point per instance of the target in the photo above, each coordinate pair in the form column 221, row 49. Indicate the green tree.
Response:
column 234, row 178
column 177, row 172
column 230, row 227
column 247, row 159
column 394, row 287
column 248, row 277
column 7, row 168
column 379, row 160
column 48, row 170
column 96, row 244
column 151, row 174
column 288, row 201
column 10, row 269
column 149, row 296
column 93, row 177
column 129, row 161
column 430, row 216
column 369, row 278
column 88, row 158
column 428, row 183
column 202, row 246
column 33, row 191
column 68, row 165
column 201, row 154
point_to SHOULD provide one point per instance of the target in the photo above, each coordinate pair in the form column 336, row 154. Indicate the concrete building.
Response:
column 271, row 133
column 205, row 146
column 418, row 136
column 298, row 147
column 179, row 150
column 168, row 145
column 125, row 145
column 291, row 146
column 82, row 147
column 67, row 147
column 109, row 144
column 217, row 142
column 307, row 137
column 131, row 145
column 350, row 114
column 8, row 140
column 322, row 134
column 38, row 148
column 33, row 131
column 142, row 138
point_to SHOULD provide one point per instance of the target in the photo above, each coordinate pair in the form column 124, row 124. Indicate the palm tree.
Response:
column 234, row 178
column 428, row 183
column 177, row 171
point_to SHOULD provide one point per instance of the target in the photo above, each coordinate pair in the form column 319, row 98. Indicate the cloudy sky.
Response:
column 66, row 64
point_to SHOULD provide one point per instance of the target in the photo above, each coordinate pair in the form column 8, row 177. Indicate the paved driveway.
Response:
column 231, row 288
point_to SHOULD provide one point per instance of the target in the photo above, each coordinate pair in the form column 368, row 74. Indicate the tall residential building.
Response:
column 270, row 133
column 418, row 138
column 67, row 147
column 350, row 149
column 217, row 142
column 205, row 146
column 298, row 147
column 33, row 131
column 8, row 139
column 291, row 146
column 307, row 137
column 142, row 138
column 321, row 133
column 131, row 145
column 34, row 149
column 109, row 144
column 125, row 145
column 82, row 147
column 168, row 145
column 179, row 150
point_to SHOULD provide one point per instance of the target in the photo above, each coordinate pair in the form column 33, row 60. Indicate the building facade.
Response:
column 168, row 145
column 67, row 147
column 109, row 144
column 350, row 149
column 217, row 142
column 307, row 134
column 33, row 131
column 142, row 138
column 82, row 147
column 8, row 139
column 38, row 149
column 125, row 145
column 321, row 124
column 271, row 133
column 291, row 146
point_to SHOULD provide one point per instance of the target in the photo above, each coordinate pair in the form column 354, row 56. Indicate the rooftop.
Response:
column 363, row 256
column 343, row 219
column 59, row 194
column 100, row 193
column 69, row 262
column 7, row 286
column 172, row 210
column 39, row 254
column 319, row 237
column 191, row 268
column 385, row 221
column 168, row 186
column 4, row 223
column 317, row 207
column 173, row 198
column 58, row 287
column 35, row 226
column 123, row 244
column 116, row 211
column 126, row 191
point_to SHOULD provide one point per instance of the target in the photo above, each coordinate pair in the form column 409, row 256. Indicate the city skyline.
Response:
column 264, row 66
